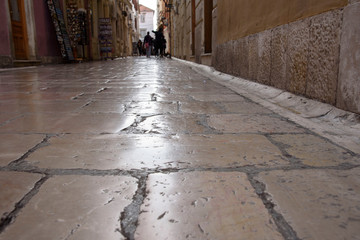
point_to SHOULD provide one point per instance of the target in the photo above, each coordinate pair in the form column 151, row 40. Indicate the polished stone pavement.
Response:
column 142, row 148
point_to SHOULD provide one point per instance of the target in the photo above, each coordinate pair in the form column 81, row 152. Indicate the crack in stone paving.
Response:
column 9, row 218
column 203, row 121
column 139, row 119
column 129, row 217
column 43, row 143
column 283, row 226
column 11, row 119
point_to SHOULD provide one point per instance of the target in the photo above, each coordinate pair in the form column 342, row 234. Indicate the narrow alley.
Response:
column 139, row 148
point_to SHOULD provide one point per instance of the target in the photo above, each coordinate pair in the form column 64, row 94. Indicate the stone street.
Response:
column 142, row 148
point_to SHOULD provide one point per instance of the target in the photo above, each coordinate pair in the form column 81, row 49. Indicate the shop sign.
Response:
column 105, row 37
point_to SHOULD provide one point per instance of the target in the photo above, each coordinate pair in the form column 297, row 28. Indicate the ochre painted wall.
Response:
column 47, row 44
column 4, row 31
column 241, row 18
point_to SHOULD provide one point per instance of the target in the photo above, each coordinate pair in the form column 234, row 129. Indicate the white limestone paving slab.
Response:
column 75, row 207
column 133, row 151
column 318, row 204
column 203, row 205
column 13, row 146
column 13, row 187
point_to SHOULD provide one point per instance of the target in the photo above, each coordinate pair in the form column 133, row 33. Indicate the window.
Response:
column 143, row 32
column 142, row 18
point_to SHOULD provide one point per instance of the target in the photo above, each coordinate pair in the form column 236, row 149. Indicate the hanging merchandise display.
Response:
column 73, row 24
column 60, row 28
column 105, row 38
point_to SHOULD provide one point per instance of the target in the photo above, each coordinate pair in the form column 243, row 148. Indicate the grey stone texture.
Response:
column 224, row 56
column 264, row 64
column 253, row 56
column 278, row 57
column 324, row 56
column 333, row 206
column 303, row 57
column 297, row 57
column 348, row 95
column 198, row 42
column 241, row 58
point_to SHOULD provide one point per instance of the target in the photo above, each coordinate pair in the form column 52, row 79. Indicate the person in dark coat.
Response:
column 140, row 47
column 159, row 41
column 148, row 44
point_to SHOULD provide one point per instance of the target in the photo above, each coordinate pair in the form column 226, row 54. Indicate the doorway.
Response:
column 18, row 26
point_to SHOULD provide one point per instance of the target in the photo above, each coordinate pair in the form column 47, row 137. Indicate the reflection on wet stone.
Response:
column 142, row 148
column 203, row 205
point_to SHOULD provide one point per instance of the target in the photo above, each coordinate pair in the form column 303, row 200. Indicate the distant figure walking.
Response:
column 160, row 42
column 140, row 47
column 148, row 44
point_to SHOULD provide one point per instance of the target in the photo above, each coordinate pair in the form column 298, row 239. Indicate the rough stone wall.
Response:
column 310, row 48
column 240, row 18
column 303, row 57
column 182, row 30
column 348, row 94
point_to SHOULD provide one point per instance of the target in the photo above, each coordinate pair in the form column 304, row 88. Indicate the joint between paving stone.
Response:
column 12, row 119
column 129, row 217
column 283, row 146
column 86, row 104
column 43, row 143
column 204, row 123
column 283, row 226
column 10, row 218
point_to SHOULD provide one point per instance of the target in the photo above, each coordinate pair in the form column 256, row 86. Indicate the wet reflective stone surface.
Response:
column 182, row 206
column 142, row 148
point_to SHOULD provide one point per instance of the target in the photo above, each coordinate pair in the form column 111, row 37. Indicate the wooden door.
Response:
column 18, row 25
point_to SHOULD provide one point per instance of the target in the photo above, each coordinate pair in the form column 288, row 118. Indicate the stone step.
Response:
column 26, row 63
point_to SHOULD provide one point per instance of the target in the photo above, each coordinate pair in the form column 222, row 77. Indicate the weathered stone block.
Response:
column 264, row 52
column 318, row 204
column 297, row 56
column 198, row 41
column 203, row 205
column 314, row 151
column 241, row 58
column 348, row 95
column 253, row 56
column 324, row 56
column 83, row 207
column 14, row 186
column 239, row 123
column 13, row 146
column 224, row 56
column 278, row 57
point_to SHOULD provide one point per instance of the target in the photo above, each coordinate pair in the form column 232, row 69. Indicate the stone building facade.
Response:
column 310, row 48
column 146, row 21
column 30, row 35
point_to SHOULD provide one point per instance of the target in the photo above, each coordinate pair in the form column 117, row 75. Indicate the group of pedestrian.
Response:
column 149, row 43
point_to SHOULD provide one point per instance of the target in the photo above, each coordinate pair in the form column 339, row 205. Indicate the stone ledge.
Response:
column 339, row 126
